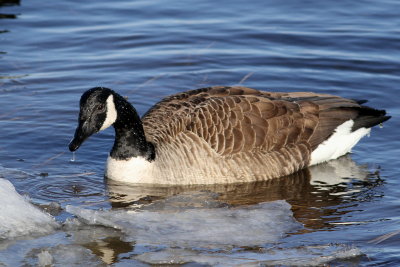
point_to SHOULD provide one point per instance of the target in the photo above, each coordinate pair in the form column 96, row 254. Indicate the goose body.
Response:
column 223, row 134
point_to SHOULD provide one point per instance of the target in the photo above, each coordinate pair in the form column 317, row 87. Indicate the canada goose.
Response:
column 223, row 134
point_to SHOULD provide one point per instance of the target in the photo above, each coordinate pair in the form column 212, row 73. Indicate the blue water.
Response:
column 52, row 51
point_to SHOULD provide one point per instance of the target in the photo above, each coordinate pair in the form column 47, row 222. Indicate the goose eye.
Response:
column 100, row 107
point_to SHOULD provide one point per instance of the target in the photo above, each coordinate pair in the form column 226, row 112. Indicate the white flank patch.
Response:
column 134, row 170
column 111, row 115
column 340, row 143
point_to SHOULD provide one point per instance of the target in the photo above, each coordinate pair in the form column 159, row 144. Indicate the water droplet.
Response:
column 73, row 157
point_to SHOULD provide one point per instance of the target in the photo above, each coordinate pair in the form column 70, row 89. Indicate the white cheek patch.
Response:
column 111, row 115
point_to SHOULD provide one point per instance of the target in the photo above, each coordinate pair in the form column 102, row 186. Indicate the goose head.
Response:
column 97, row 112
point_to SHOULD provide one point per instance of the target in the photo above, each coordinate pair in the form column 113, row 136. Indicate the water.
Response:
column 51, row 52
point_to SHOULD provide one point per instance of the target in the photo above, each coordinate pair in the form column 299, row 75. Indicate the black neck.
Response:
column 130, row 140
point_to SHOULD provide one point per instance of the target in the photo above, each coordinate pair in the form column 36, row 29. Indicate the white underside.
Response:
column 134, row 170
column 339, row 144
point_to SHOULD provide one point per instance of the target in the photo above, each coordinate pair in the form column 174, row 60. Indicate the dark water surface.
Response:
column 51, row 51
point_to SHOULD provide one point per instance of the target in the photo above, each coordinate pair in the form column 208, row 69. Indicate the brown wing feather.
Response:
column 239, row 119
column 164, row 120
column 328, row 112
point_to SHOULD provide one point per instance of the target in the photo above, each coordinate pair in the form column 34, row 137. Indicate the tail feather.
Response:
column 360, row 101
column 369, row 117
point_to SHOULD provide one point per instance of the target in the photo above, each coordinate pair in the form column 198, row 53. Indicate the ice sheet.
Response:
column 202, row 227
column 68, row 255
column 18, row 217
column 300, row 256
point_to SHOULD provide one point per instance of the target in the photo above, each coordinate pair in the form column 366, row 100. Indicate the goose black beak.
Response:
column 81, row 134
column 75, row 144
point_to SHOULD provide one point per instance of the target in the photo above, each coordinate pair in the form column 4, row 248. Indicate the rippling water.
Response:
column 52, row 51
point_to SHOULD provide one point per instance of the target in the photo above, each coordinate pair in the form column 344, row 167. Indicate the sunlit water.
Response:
column 64, row 213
